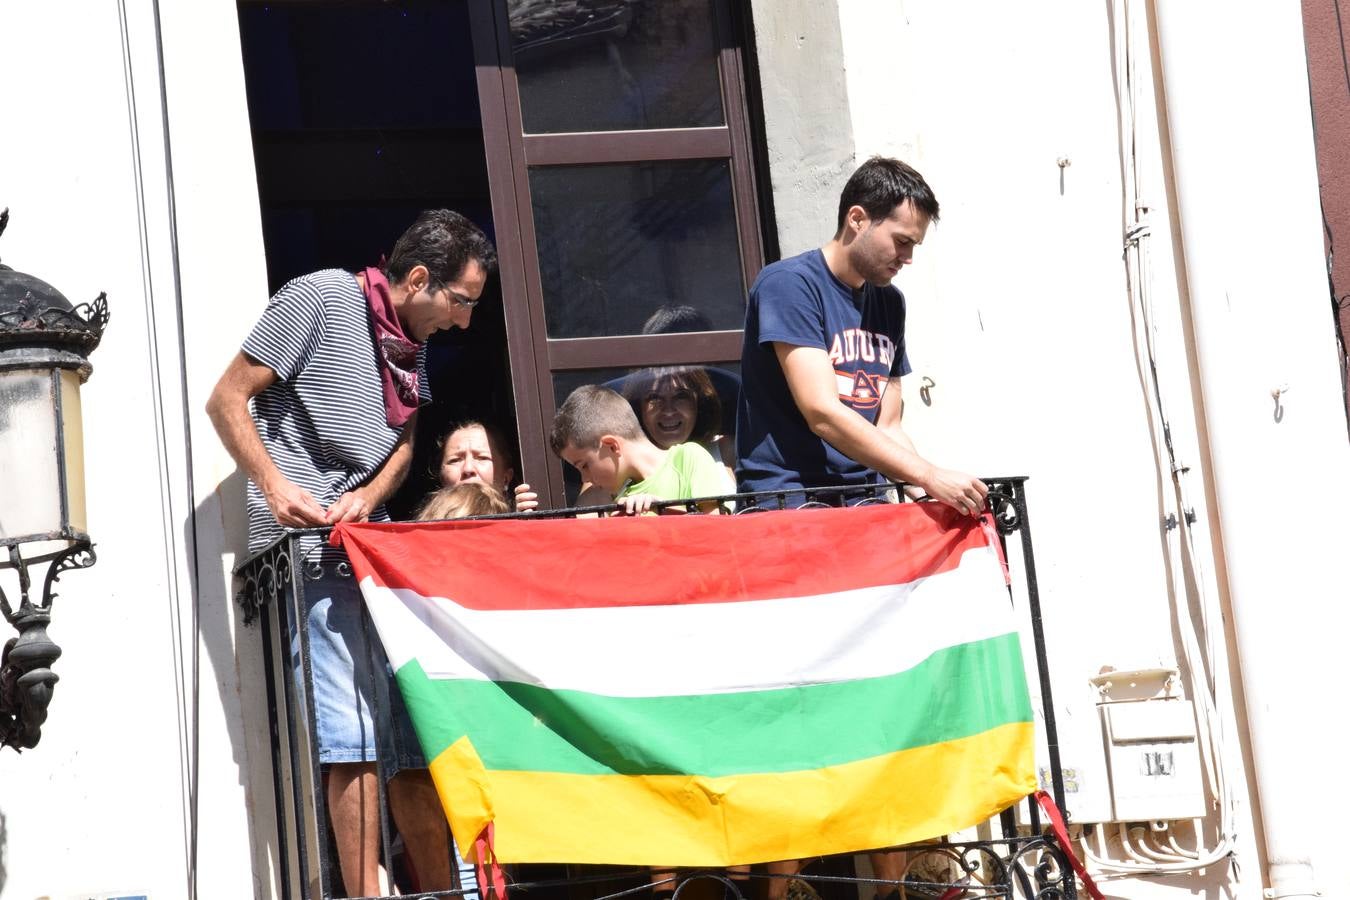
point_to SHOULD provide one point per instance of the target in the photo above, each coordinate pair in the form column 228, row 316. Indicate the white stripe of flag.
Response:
column 700, row 648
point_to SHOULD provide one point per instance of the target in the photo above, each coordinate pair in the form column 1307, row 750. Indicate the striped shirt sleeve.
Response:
column 290, row 329
column 423, row 381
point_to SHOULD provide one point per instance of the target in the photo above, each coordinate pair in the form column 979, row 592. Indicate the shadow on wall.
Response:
column 4, row 846
column 233, row 660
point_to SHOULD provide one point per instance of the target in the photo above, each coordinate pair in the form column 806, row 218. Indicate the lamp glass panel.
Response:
column 30, row 482
column 72, row 428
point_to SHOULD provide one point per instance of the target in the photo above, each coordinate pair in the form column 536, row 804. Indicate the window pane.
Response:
column 617, row 243
column 723, row 378
column 607, row 65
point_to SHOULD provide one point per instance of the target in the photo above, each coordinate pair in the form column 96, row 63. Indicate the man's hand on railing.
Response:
column 963, row 493
column 350, row 507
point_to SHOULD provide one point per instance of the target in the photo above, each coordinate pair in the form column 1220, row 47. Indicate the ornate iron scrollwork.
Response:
column 80, row 556
column 1041, row 870
column 1002, row 502
column 267, row 575
column 26, row 677
column 32, row 312
column 1017, row 867
column 264, row 579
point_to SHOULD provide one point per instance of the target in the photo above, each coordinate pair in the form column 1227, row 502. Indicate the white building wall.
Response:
column 223, row 288
column 1019, row 316
column 802, row 80
column 1249, row 210
column 105, row 804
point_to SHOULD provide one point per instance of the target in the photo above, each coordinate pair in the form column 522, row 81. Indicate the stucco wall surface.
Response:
column 1271, row 399
column 802, row 74
column 1021, row 323
column 105, row 804
column 1020, row 320
column 1023, row 327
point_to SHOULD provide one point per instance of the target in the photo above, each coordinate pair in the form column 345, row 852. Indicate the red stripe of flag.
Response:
column 653, row 561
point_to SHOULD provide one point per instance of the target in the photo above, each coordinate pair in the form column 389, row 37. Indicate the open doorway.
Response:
column 364, row 113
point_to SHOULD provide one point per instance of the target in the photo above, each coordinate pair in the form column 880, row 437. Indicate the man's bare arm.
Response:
column 811, row 379
column 357, row 504
column 890, row 422
column 889, row 417
column 243, row 380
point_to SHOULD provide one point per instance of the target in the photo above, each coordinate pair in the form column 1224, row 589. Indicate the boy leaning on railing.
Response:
column 597, row 434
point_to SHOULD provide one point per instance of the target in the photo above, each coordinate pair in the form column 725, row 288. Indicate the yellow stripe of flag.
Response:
column 691, row 820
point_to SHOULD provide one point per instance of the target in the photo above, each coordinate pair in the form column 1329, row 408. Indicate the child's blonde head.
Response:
column 471, row 498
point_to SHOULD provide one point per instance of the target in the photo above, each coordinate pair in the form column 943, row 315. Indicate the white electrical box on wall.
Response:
column 1087, row 795
column 1087, row 790
column 1151, row 751
column 1130, row 756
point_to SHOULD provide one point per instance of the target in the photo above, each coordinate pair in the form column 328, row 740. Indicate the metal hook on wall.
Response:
column 1277, row 394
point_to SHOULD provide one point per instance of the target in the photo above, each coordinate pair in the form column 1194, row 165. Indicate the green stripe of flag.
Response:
column 956, row 692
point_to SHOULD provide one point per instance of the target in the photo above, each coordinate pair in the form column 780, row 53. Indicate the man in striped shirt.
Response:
column 331, row 371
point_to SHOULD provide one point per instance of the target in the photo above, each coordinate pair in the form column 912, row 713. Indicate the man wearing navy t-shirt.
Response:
column 821, row 366
column 825, row 350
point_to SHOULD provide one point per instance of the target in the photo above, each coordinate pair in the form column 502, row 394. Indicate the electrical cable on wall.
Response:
column 186, row 662
column 1206, row 669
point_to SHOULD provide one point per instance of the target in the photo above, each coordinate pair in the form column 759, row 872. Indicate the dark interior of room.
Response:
column 364, row 114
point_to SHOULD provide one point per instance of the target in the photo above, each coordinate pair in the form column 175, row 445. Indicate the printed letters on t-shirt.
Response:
column 852, row 352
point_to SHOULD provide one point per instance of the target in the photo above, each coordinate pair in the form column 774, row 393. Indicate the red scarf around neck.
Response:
column 396, row 351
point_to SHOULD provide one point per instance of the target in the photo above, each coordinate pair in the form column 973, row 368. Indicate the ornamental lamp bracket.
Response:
column 45, row 344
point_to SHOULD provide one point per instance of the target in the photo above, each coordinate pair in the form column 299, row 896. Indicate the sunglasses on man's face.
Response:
column 458, row 299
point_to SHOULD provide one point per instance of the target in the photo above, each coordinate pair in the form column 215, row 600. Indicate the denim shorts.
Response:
column 341, row 641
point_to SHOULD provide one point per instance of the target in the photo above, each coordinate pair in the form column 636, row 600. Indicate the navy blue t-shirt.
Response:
column 798, row 301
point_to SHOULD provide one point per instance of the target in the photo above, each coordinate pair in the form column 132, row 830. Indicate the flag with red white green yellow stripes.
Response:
column 705, row 690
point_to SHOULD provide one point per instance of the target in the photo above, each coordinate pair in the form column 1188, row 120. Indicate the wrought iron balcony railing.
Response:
column 1008, row 858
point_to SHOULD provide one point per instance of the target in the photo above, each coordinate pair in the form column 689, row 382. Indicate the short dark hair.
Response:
column 676, row 319
column 588, row 414
column 444, row 242
column 708, row 406
column 880, row 185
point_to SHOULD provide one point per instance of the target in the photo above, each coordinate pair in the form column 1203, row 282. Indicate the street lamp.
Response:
column 44, row 349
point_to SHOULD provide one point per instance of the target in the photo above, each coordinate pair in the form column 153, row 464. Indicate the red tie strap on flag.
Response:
column 491, row 878
column 957, row 890
column 991, row 535
column 1061, row 834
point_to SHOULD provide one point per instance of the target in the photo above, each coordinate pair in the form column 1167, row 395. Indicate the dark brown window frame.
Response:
column 511, row 152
